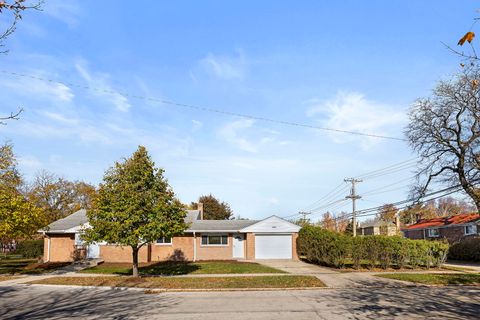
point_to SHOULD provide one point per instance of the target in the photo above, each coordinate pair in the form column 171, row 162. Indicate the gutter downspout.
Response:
column 194, row 246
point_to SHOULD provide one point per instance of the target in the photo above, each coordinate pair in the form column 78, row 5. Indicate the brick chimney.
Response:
column 200, row 209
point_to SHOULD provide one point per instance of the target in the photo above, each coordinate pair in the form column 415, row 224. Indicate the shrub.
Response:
column 334, row 249
column 466, row 249
column 30, row 248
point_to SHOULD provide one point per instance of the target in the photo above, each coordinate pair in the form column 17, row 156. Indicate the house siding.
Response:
column 113, row 253
column 250, row 246
column 214, row 252
column 451, row 233
column 294, row 246
column 181, row 249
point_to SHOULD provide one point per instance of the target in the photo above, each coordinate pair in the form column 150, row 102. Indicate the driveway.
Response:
column 332, row 278
column 47, row 302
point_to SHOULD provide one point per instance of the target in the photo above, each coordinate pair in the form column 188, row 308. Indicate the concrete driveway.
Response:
column 332, row 278
column 48, row 302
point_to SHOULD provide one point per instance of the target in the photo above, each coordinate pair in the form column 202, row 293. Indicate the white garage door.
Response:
column 273, row 246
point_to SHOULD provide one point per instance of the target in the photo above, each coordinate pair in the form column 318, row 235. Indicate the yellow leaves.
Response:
column 467, row 37
column 474, row 83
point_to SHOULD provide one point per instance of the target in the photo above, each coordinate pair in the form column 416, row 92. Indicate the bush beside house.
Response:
column 329, row 248
column 30, row 248
column 465, row 249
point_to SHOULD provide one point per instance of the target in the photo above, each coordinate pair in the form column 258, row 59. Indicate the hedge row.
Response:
column 465, row 249
column 335, row 249
column 30, row 248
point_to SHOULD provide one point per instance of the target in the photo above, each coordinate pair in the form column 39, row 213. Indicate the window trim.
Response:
column 164, row 243
column 430, row 235
column 214, row 235
column 473, row 226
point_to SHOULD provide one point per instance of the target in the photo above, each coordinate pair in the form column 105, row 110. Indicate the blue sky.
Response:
column 348, row 65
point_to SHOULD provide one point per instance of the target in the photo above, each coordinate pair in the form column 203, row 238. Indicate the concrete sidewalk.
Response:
column 335, row 279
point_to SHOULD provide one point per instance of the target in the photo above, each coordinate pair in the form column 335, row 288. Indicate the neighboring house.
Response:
column 270, row 238
column 450, row 228
column 377, row 228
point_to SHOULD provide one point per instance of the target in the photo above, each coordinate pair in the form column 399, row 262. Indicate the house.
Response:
column 377, row 228
column 270, row 238
column 450, row 228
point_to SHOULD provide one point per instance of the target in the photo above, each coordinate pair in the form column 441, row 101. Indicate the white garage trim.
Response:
column 273, row 246
column 272, row 224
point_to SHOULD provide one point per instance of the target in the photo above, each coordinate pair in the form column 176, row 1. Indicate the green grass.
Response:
column 436, row 278
column 27, row 266
column 190, row 283
column 180, row 268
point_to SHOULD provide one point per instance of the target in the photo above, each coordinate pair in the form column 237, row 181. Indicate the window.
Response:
column 470, row 229
column 164, row 241
column 215, row 240
column 433, row 233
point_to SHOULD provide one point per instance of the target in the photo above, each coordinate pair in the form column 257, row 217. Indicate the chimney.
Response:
column 200, row 209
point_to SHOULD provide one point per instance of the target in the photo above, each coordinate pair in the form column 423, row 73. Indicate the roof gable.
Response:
column 272, row 224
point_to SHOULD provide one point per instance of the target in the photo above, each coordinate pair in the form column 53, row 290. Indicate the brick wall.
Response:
column 62, row 247
column 214, row 252
column 250, row 246
column 181, row 249
column 113, row 253
column 294, row 248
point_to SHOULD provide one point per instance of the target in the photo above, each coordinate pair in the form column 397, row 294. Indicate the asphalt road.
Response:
column 46, row 302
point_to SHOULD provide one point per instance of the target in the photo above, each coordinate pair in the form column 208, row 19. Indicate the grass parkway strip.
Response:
column 183, row 268
column 436, row 278
column 268, row 282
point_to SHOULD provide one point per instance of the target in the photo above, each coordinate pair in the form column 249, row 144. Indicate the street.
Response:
column 48, row 302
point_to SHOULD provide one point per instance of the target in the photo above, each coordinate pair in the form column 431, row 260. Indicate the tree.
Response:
column 328, row 222
column 135, row 206
column 388, row 213
column 415, row 212
column 444, row 129
column 448, row 206
column 19, row 218
column 13, row 10
column 60, row 197
column 213, row 209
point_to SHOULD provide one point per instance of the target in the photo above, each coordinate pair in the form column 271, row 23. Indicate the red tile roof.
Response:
column 445, row 221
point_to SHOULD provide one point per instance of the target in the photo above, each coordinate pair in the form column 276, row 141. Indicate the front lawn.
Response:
column 268, row 282
column 27, row 266
column 436, row 278
column 180, row 268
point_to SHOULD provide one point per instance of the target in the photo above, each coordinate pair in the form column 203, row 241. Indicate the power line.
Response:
column 201, row 108
column 388, row 170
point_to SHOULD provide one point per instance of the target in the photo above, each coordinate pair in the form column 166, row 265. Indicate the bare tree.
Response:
column 11, row 116
column 13, row 11
column 444, row 129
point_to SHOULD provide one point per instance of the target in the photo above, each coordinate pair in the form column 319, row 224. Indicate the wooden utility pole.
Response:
column 354, row 197
column 304, row 214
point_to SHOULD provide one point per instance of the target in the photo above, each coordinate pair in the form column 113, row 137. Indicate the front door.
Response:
column 238, row 251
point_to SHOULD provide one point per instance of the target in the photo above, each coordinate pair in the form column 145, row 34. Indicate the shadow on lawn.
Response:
column 168, row 268
column 25, row 303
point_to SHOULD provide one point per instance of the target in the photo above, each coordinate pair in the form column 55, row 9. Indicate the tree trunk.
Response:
column 135, row 261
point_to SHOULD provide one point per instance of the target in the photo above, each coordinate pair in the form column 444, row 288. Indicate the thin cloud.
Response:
column 226, row 67
column 351, row 111
column 100, row 80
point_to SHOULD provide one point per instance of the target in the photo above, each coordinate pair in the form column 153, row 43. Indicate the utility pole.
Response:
column 353, row 195
column 304, row 214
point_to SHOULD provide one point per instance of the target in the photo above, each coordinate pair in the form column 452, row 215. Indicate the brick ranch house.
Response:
column 451, row 228
column 270, row 238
